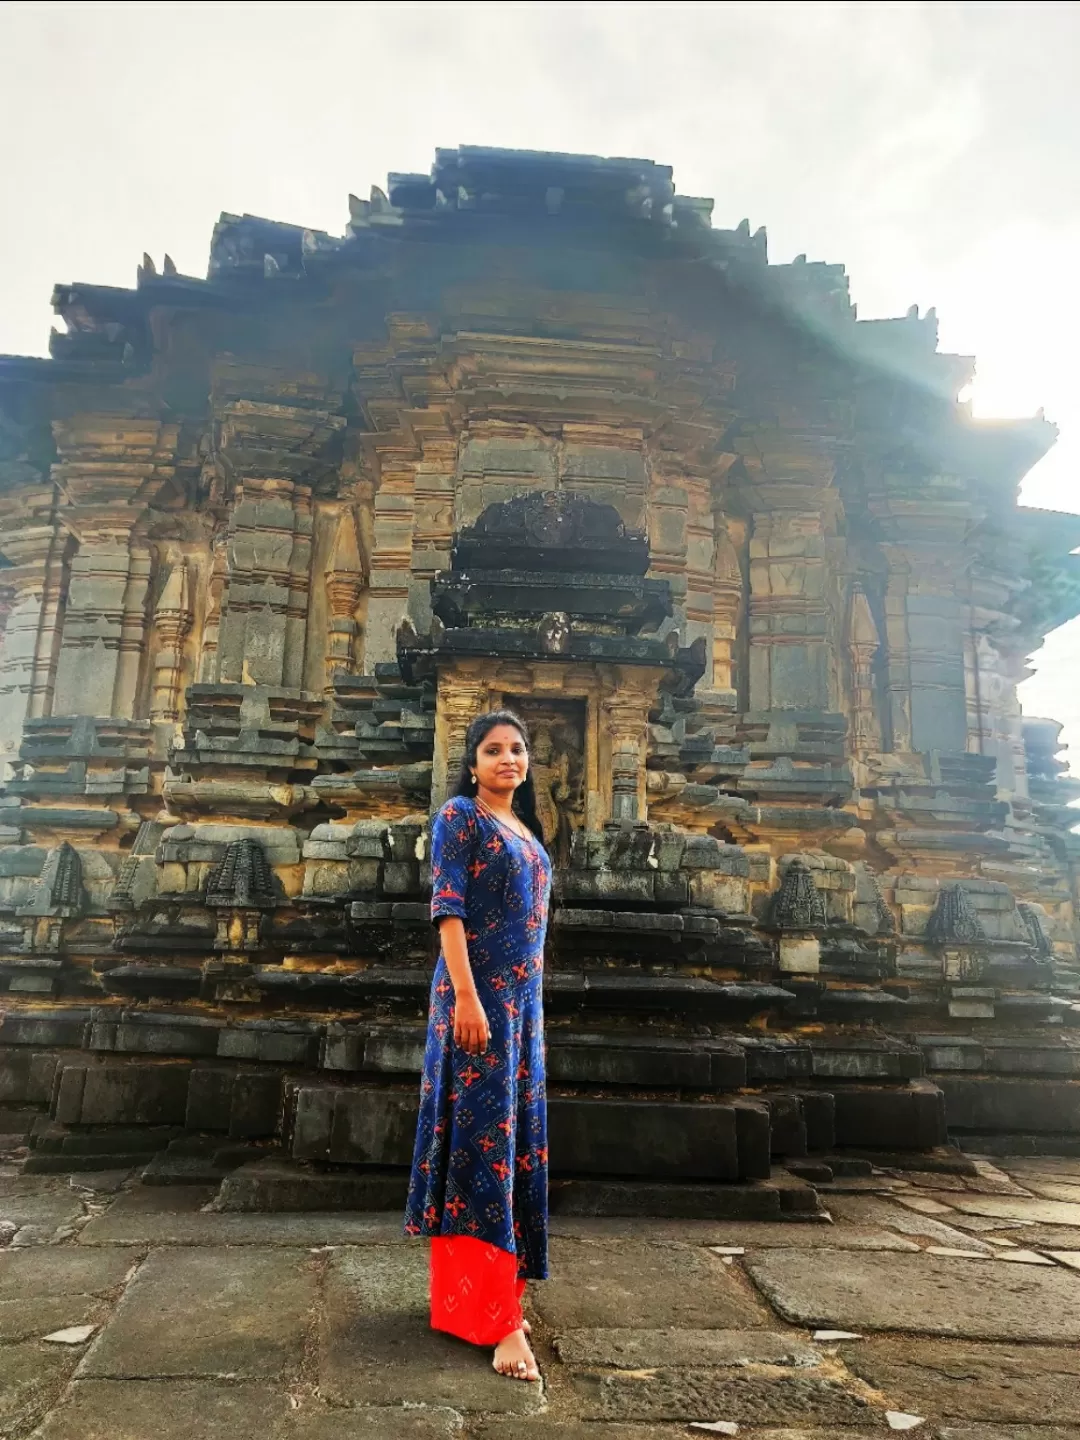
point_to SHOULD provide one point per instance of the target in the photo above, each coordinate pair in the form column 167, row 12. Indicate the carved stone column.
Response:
column 274, row 436
column 863, row 642
column 925, row 620
column 789, row 641
column 624, row 732
column 34, row 579
column 211, row 630
column 110, row 469
column 727, row 605
column 344, row 583
column 464, row 693
column 172, row 623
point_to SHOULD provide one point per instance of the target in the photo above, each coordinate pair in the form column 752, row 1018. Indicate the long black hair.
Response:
column 524, row 802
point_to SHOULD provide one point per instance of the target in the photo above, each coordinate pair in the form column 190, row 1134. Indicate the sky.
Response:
column 931, row 148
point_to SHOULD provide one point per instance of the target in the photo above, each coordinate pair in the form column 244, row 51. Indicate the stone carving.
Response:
column 557, row 761
column 1034, row 922
column 552, row 530
column 798, row 904
column 243, row 879
column 954, row 921
column 173, row 618
column 59, row 891
column 886, row 922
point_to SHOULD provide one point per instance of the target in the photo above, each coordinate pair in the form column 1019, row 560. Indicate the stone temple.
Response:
column 532, row 432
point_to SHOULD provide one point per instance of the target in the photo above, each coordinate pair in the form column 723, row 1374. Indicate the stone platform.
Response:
column 169, row 1317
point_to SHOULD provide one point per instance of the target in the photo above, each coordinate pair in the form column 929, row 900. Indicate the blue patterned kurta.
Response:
column 480, row 1163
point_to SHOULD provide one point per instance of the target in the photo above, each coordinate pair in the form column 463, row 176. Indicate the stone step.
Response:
column 283, row 1185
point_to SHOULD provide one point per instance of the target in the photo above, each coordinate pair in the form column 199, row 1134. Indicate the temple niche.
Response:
column 532, row 432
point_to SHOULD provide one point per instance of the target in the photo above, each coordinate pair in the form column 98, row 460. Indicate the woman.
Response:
column 479, row 1176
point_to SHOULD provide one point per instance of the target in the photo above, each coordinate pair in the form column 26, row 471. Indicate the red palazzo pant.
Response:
column 475, row 1290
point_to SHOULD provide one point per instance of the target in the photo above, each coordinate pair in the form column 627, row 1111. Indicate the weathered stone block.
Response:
column 909, row 1119
column 646, row 1138
column 998, row 1104
column 134, row 1094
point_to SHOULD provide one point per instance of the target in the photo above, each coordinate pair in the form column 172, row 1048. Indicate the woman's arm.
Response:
column 471, row 1029
column 453, row 842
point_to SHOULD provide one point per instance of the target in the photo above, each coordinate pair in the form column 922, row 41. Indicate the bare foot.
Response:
column 514, row 1359
column 527, row 1328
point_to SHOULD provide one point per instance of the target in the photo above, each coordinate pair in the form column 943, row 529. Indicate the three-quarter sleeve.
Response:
column 453, row 842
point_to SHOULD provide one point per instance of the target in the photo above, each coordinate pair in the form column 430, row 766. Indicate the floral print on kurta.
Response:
column 480, row 1163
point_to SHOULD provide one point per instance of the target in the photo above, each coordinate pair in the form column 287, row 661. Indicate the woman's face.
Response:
column 502, row 760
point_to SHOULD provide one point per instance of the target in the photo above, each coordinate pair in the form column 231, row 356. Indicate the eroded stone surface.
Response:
column 637, row 1349
column 45, row 1212
column 228, row 1228
column 762, row 1397
column 750, row 1233
column 547, row 1428
column 167, row 1410
column 32, row 1376
column 1041, row 1212
column 630, row 1285
column 376, row 1346
column 21, row 1319
column 212, row 1312
column 1006, row 1432
column 36, row 1274
column 212, row 1410
column 951, row 1380
column 920, row 1293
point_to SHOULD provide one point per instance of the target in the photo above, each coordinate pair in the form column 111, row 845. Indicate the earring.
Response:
column 472, row 777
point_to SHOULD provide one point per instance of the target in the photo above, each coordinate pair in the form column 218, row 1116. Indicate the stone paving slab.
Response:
column 954, row 1380
column 1038, row 1237
column 868, row 1209
column 46, row 1212
column 1054, row 1190
column 32, row 1376
column 376, row 1346
column 38, row 1273
column 630, row 1285
column 1042, row 1212
column 762, row 1396
column 544, row 1428
column 212, row 1410
column 639, row 1349
column 23, row 1319
column 232, row 1228
column 167, row 1410
column 927, row 1294
column 1006, row 1432
column 204, row 1313
column 751, row 1233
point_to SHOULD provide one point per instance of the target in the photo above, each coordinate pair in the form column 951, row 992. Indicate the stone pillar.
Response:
column 274, row 433
column 925, row 621
column 172, row 624
column 624, row 725
column 211, row 630
column 700, row 571
column 259, row 610
column 110, row 470
column 464, row 693
column 668, row 540
column 391, row 561
column 727, row 608
column 790, row 666
column 862, row 644
column 36, row 552
column 344, row 583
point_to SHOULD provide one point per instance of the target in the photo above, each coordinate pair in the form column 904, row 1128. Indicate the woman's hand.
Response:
column 471, row 1029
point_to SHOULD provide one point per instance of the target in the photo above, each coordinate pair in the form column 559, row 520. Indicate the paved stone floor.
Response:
column 961, row 1299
